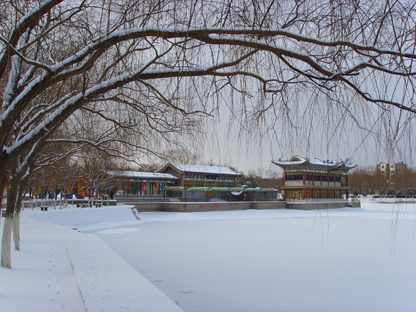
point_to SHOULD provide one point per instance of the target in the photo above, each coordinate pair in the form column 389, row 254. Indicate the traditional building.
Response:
column 199, row 176
column 305, row 178
column 177, row 178
column 142, row 183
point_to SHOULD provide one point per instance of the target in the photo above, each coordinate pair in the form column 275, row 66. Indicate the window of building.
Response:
column 293, row 177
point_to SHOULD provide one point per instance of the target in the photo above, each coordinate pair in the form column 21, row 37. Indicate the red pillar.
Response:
column 347, row 192
column 284, row 178
column 304, row 178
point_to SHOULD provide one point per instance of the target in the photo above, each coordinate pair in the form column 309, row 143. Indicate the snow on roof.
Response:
column 205, row 169
column 142, row 175
column 295, row 160
column 315, row 164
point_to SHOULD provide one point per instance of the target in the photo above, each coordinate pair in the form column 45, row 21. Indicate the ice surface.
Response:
column 350, row 259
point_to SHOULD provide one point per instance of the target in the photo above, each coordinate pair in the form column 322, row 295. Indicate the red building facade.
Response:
column 309, row 179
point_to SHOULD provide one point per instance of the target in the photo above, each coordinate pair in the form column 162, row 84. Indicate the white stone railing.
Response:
column 45, row 202
column 319, row 200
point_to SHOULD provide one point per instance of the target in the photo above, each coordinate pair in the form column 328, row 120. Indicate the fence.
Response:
column 45, row 202
column 318, row 200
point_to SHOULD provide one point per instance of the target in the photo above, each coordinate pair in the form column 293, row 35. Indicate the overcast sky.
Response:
column 364, row 147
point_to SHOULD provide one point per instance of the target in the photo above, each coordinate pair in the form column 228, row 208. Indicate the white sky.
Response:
column 364, row 147
column 223, row 145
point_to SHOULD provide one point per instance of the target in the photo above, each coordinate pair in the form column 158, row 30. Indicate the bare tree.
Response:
column 161, row 64
column 259, row 178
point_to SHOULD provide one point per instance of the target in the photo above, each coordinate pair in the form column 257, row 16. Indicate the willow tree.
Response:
column 160, row 63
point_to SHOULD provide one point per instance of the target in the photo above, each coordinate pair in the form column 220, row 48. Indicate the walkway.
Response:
column 60, row 269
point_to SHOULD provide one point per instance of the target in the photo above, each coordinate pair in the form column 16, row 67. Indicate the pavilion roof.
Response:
column 297, row 162
column 143, row 175
column 202, row 169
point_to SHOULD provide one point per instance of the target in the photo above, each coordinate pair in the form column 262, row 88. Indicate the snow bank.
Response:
column 61, row 269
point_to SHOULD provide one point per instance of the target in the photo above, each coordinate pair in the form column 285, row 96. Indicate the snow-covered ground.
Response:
column 350, row 259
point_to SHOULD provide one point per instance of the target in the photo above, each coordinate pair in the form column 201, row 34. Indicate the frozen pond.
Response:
column 281, row 260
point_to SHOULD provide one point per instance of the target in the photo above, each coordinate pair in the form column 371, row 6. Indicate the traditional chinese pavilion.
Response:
column 200, row 177
column 305, row 178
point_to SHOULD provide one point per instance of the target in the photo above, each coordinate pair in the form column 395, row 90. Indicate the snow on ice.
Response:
column 350, row 259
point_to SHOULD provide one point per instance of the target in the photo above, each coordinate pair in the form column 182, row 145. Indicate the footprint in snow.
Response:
column 187, row 292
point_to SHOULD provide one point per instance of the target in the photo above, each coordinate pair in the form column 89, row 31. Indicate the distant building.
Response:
column 142, row 183
column 198, row 176
column 305, row 178
column 391, row 170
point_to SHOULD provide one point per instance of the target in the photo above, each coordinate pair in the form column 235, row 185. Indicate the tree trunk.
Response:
column 16, row 231
column 12, row 204
column 6, row 260
column 18, row 209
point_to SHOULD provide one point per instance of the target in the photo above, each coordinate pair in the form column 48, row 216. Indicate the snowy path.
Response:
column 60, row 269
column 108, row 283
column 41, row 278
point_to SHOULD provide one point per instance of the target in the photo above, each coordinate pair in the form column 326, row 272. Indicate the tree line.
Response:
column 371, row 181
